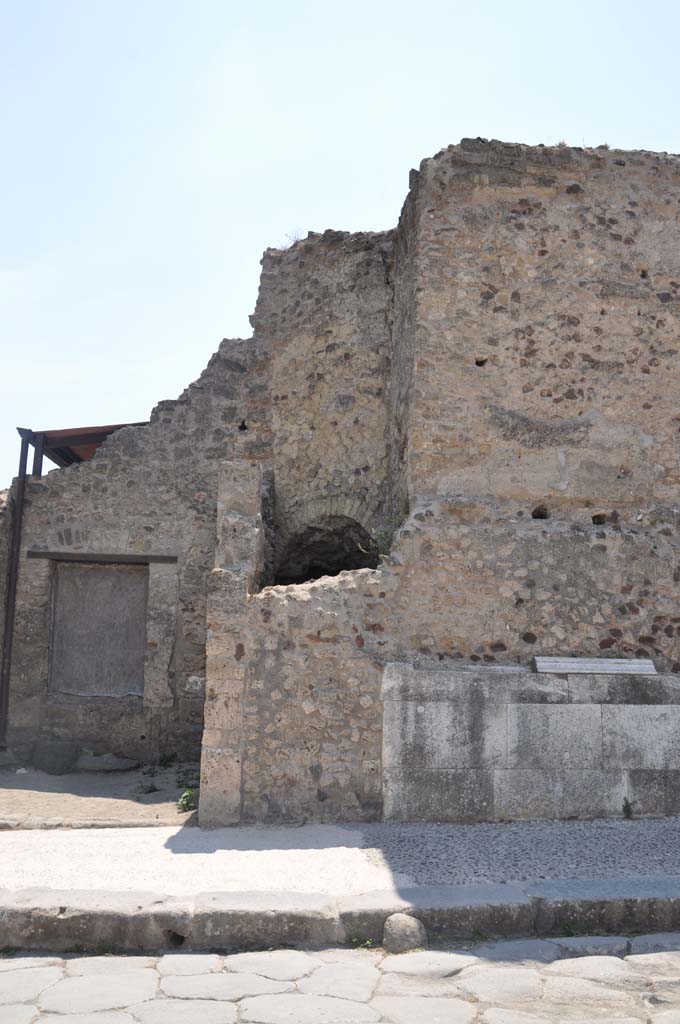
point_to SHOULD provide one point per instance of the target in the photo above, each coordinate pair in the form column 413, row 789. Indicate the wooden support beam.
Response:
column 11, row 592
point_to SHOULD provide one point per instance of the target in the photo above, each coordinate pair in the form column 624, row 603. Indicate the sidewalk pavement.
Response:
column 150, row 888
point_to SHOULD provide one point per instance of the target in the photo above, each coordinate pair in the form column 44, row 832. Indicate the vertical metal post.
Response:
column 11, row 593
column 38, row 449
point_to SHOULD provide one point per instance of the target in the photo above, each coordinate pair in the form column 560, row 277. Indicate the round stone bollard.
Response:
column 403, row 932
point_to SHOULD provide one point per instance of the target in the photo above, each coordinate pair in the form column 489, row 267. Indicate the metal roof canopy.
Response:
column 65, row 447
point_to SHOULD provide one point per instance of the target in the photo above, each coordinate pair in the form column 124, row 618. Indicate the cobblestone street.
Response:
column 596, row 979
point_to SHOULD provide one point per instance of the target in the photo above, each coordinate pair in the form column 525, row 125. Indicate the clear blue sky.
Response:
column 152, row 149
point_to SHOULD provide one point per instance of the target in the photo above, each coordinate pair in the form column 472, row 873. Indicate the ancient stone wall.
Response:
column 148, row 490
column 472, row 744
column 323, row 317
column 549, row 294
column 532, row 377
column 489, row 392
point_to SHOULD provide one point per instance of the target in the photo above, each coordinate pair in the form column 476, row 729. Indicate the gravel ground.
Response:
column 335, row 860
column 526, row 851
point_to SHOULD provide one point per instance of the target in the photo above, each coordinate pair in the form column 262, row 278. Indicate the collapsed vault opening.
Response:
column 325, row 548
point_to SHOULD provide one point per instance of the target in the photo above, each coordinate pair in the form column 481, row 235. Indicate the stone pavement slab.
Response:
column 306, row 1009
column 26, row 984
column 490, row 983
column 185, row 1011
column 345, row 981
column 423, row 1010
column 99, row 990
column 280, row 965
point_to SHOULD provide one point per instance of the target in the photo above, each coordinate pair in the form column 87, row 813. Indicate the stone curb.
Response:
column 146, row 922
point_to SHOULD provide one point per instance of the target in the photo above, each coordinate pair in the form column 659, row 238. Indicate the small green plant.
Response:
column 479, row 936
column 187, row 801
column 358, row 943
column 627, row 808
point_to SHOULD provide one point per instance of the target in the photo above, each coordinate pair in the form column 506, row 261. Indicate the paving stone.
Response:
column 496, row 1015
column 349, row 956
column 280, row 964
column 427, row 963
column 502, row 984
column 27, row 983
column 409, row 1010
column 344, row 981
column 594, row 945
column 100, row 991
column 655, row 964
column 305, row 1009
column 185, row 1011
column 222, row 986
column 666, row 1017
column 597, row 968
column 581, row 990
column 18, row 963
column 82, row 965
column 112, row 1017
column 18, row 1014
column 188, row 963
column 407, row 985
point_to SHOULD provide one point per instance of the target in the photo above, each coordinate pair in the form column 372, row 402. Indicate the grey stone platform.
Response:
column 506, row 744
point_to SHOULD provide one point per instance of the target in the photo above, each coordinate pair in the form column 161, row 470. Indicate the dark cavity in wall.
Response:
column 325, row 548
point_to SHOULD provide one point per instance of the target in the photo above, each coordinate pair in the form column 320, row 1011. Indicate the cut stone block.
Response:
column 422, row 795
column 603, row 689
column 554, row 736
column 654, row 791
column 444, row 735
column 630, row 666
column 527, row 794
column 638, row 736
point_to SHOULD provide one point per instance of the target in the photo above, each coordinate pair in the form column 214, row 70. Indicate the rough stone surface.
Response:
column 345, row 981
column 408, row 1009
column 183, row 1011
column 305, row 1009
column 280, row 965
column 221, row 986
column 24, row 985
column 536, row 989
column 503, row 984
column 484, row 399
column 403, row 932
column 100, row 990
